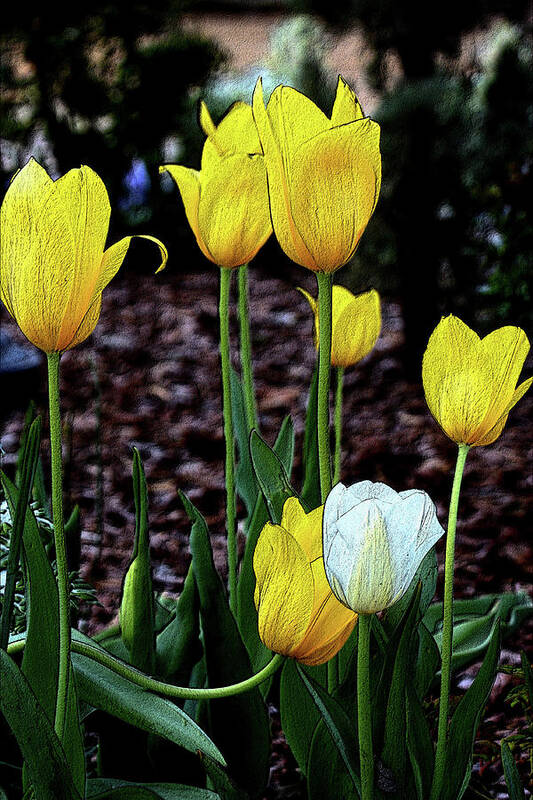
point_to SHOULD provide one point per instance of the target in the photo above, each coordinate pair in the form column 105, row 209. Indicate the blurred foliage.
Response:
column 111, row 84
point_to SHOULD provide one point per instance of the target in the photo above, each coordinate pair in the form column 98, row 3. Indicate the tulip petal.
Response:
column 356, row 326
column 332, row 203
column 233, row 212
column 188, row 183
column 235, row 133
column 305, row 527
column 88, row 324
column 346, row 107
column 284, row 589
column 496, row 430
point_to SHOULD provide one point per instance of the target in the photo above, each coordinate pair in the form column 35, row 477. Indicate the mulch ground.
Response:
column 155, row 357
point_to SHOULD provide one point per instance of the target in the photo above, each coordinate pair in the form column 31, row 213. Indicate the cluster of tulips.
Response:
column 336, row 582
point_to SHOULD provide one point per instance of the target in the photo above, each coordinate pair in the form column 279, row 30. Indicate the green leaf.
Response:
column 104, row 689
column 41, row 653
column 326, row 769
column 465, row 722
column 426, row 575
column 178, row 645
column 394, row 753
column 528, row 677
column 245, row 479
column 311, row 480
column 39, row 487
column 137, row 606
column 512, row 776
column 116, row 789
column 272, row 476
column 45, row 760
column 246, row 611
column 427, row 661
column 221, row 782
column 337, row 723
column 419, row 744
column 242, row 718
column 299, row 713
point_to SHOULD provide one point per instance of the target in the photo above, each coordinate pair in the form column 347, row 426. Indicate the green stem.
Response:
column 338, row 425
column 245, row 348
column 223, row 311
column 60, row 543
column 447, row 626
column 159, row 687
column 364, row 717
column 324, row 368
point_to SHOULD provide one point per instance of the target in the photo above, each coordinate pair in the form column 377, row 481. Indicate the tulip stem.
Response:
column 447, row 626
column 324, row 368
column 364, row 709
column 246, row 350
column 223, row 313
column 338, row 425
column 59, row 543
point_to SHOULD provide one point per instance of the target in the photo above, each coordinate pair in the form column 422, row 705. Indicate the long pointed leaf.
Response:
column 272, row 477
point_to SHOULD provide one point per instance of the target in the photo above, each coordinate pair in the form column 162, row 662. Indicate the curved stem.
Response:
column 223, row 313
column 166, row 689
column 338, row 425
column 364, row 717
column 324, row 368
column 447, row 626
column 245, row 349
column 59, row 542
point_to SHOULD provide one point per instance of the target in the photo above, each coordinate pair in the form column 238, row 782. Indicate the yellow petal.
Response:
column 346, row 107
column 305, row 527
column 88, row 324
column 236, row 133
column 356, row 326
column 496, row 430
column 233, row 217
column 334, row 187
column 285, row 229
column 188, row 183
column 284, row 589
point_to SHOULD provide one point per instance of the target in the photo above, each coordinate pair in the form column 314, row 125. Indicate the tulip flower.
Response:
column 226, row 201
column 324, row 174
column 356, row 323
column 298, row 615
column 374, row 540
column 470, row 383
column 53, row 265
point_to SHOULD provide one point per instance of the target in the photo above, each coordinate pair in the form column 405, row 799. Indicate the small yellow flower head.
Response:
column 226, row 202
column 297, row 613
column 470, row 383
column 356, row 323
column 374, row 541
column 324, row 175
column 53, row 266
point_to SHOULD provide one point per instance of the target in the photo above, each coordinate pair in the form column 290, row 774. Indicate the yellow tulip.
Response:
column 53, row 266
column 226, row 201
column 324, row 175
column 298, row 615
column 470, row 383
column 356, row 323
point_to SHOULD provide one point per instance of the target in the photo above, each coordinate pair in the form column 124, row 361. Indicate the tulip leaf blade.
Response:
column 325, row 768
column 117, row 789
column 47, row 769
column 178, row 645
column 246, row 610
column 419, row 744
column 465, row 721
column 426, row 575
column 241, row 718
column 515, row 788
column 299, row 714
column 528, row 676
column 271, row 475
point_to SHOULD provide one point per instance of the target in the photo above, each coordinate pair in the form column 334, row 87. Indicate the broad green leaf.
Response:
column 40, row 660
column 337, row 723
column 515, row 788
column 45, row 760
column 39, row 484
column 242, row 718
column 419, row 744
column 104, row 689
column 465, row 722
column 137, row 606
column 326, row 769
column 178, row 645
column 245, row 479
column 394, row 753
column 426, row 575
column 246, row 611
column 116, row 789
column 272, row 477
column 427, row 661
column 528, row 677
column 220, row 780
column 311, row 473
column 299, row 713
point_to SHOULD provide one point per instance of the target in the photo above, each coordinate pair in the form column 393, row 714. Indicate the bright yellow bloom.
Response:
column 226, row 202
column 356, row 323
column 470, row 383
column 53, row 266
column 324, row 175
column 298, row 615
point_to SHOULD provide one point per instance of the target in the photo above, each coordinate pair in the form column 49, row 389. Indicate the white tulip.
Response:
column 374, row 540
